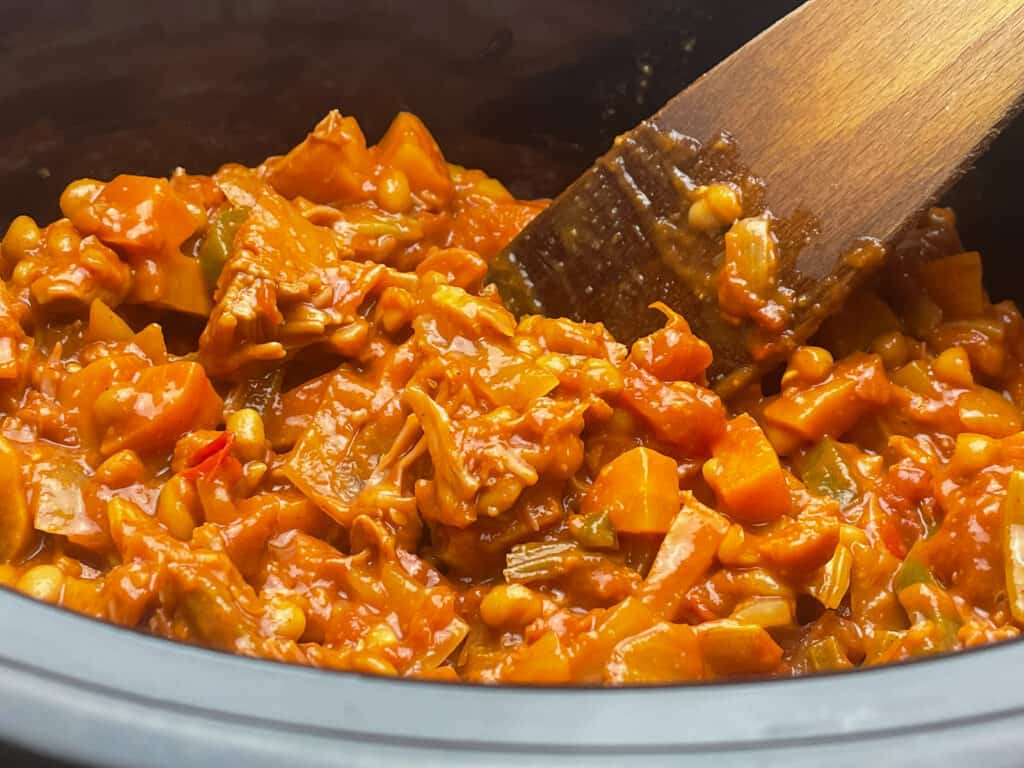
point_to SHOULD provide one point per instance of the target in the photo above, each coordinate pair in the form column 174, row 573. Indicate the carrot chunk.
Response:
column 745, row 473
column 160, row 405
column 639, row 490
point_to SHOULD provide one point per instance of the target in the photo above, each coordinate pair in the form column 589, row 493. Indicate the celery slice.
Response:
column 1013, row 544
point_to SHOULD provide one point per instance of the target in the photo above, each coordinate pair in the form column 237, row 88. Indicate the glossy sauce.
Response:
column 277, row 412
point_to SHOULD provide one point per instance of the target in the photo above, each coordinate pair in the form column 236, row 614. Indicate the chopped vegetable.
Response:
column 826, row 470
column 331, row 444
column 15, row 520
column 912, row 571
column 732, row 648
column 105, row 324
column 833, row 406
column 159, row 405
column 955, row 283
column 665, row 653
column 746, row 282
column 765, row 612
column 540, row 561
column 745, row 473
column 594, row 531
column 929, row 605
column 1013, row 543
column 639, row 491
column 216, row 247
column 826, row 656
column 686, row 553
column 831, row 586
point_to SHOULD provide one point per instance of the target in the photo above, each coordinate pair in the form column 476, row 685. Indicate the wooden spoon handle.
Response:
column 863, row 112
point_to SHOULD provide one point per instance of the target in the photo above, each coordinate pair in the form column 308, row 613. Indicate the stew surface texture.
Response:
column 276, row 411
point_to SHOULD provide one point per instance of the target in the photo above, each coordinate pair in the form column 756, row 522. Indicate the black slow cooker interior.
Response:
column 530, row 90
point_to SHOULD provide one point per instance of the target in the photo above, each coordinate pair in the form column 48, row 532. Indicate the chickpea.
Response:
column 178, row 507
column 77, row 198
column 22, row 237
column 112, row 403
column 807, row 366
column 250, row 436
column 285, row 618
column 42, row 582
column 718, row 206
column 893, row 348
column 393, row 193
column 510, row 606
column 121, row 469
column 395, row 309
column 381, row 636
column 953, row 367
column 62, row 238
column 253, row 473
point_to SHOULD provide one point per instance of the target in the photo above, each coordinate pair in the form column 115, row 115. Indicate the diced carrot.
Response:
column 141, row 214
column 590, row 652
column 331, row 165
column 639, row 490
column 681, row 413
column 541, row 662
column 745, row 474
column 836, row 404
column 955, row 284
column 159, row 406
column 408, row 146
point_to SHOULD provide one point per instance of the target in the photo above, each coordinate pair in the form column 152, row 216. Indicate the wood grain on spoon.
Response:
column 858, row 112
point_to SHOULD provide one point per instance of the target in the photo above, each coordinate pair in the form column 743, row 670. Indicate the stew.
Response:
column 276, row 411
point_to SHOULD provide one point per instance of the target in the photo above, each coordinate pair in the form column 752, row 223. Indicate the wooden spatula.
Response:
column 856, row 113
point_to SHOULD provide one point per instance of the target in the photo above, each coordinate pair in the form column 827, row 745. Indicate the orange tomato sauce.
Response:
column 277, row 411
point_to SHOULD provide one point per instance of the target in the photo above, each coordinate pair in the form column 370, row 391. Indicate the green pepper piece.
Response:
column 826, row 471
column 594, row 531
column 216, row 246
column 913, row 571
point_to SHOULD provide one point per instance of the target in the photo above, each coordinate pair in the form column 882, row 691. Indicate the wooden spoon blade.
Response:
column 856, row 114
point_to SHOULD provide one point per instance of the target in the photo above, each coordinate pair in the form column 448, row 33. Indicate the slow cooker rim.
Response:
column 222, row 688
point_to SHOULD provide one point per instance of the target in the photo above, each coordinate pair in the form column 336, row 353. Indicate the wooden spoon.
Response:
column 857, row 114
